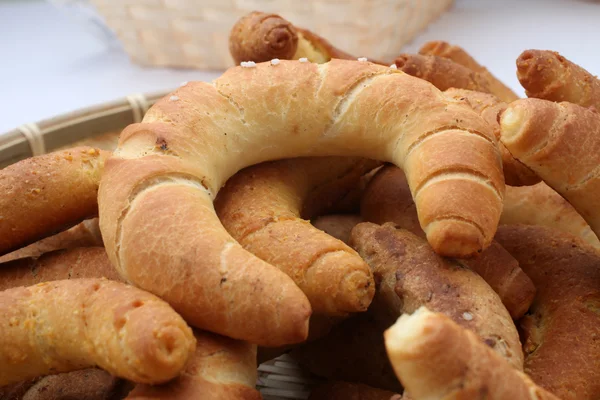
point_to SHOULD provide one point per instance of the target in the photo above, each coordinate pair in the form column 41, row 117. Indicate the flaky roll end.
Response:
column 262, row 37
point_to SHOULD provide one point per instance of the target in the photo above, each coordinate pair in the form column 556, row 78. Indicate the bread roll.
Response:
column 260, row 207
column 460, row 56
column 541, row 205
column 561, row 143
column 156, row 195
column 548, row 75
column 260, row 37
column 560, row 332
column 441, row 72
column 387, row 199
column 220, row 369
column 410, row 275
column 68, row 325
column 348, row 391
column 85, row 234
column 84, row 262
column 46, row 194
column 435, row 358
column 490, row 108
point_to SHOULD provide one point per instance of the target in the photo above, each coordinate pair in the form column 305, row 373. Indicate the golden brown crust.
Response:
column 88, row 384
column 436, row 358
column 460, row 56
column 348, row 391
column 85, row 234
column 387, row 199
column 260, row 207
column 562, row 352
column 338, row 226
column 541, row 205
column 561, row 143
column 160, row 183
column 490, row 108
column 441, row 72
column 323, row 47
column 46, row 194
column 220, row 369
column 261, row 37
column 548, row 75
column 404, row 266
column 89, row 262
column 124, row 330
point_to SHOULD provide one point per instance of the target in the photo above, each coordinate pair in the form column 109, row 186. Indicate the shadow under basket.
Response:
column 100, row 126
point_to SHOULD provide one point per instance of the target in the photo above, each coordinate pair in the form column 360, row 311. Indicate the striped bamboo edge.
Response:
column 195, row 34
column 63, row 131
column 100, row 126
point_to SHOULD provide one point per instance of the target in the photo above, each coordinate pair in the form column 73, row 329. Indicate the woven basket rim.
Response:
column 80, row 124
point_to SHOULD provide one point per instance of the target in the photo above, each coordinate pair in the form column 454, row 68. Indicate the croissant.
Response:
column 560, row 331
column 261, row 37
column 409, row 275
column 561, row 143
column 460, row 56
column 156, row 195
column 261, row 208
column 490, row 108
column 435, row 358
column 541, row 205
column 441, row 72
column 220, row 369
column 548, row 75
column 84, row 234
column 67, row 325
column 46, row 194
column 84, row 262
column 387, row 199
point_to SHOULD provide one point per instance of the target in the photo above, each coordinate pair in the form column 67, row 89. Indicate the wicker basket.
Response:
column 194, row 33
column 100, row 126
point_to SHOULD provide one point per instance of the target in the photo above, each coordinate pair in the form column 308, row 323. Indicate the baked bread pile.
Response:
column 413, row 231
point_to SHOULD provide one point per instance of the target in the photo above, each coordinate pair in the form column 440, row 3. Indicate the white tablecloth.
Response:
column 50, row 63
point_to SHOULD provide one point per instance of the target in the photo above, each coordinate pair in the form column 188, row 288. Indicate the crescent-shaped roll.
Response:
column 260, row 37
column 560, row 332
column 46, row 194
column 68, row 325
column 548, row 75
column 387, row 199
column 348, row 391
column 410, row 275
column 220, row 369
column 441, row 72
column 84, row 234
column 561, row 143
column 83, row 262
column 490, row 108
column 156, row 196
column 260, row 207
column 460, row 56
column 541, row 205
column 435, row 358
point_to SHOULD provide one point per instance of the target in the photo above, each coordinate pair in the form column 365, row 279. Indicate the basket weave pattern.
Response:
column 195, row 33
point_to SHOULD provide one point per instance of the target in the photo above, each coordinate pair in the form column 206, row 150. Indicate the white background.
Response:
column 52, row 63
